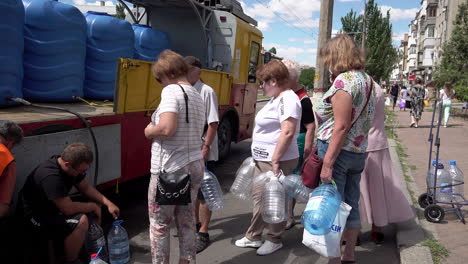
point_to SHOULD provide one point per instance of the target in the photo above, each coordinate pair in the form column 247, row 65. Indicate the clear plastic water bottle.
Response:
column 212, row 191
column 294, row 187
column 431, row 176
column 95, row 259
column 457, row 181
column 321, row 209
column 96, row 240
column 262, row 178
column 242, row 186
column 444, row 182
column 119, row 249
column 274, row 199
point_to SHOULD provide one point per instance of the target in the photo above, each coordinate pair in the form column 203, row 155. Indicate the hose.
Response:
column 91, row 132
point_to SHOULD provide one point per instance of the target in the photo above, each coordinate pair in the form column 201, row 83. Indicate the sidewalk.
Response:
column 454, row 142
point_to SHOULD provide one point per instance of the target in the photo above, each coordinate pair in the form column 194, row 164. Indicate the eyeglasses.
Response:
column 263, row 82
column 158, row 80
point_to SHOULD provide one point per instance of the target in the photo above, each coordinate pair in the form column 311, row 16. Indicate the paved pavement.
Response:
column 230, row 224
column 454, row 143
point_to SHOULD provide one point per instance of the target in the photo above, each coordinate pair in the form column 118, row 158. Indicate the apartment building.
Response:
column 446, row 13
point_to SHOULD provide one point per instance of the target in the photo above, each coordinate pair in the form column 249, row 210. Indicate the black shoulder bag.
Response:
column 174, row 187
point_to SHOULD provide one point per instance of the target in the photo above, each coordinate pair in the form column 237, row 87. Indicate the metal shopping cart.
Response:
column 429, row 201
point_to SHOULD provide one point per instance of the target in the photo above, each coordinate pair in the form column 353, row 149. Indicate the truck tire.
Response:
column 224, row 138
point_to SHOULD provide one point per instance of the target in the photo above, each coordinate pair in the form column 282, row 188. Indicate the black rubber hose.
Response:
column 91, row 132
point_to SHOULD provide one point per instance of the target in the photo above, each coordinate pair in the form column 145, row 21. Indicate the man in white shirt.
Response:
column 210, row 145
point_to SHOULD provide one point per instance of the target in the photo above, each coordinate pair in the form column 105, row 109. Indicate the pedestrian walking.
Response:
column 305, row 139
column 446, row 94
column 344, row 115
column 176, row 160
column 209, row 147
column 382, row 199
column 274, row 148
column 417, row 95
column 394, row 92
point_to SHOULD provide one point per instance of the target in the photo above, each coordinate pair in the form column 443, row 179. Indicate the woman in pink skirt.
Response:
column 382, row 199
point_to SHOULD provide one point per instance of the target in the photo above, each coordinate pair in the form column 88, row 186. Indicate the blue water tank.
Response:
column 55, row 51
column 11, row 49
column 149, row 42
column 108, row 39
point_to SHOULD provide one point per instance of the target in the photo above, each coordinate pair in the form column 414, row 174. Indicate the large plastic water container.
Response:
column 274, row 202
column 11, row 49
column 149, row 42
column 96, row 240
column 54, row 51
column 212, row 191
column 108, row 39
column 294, row 187
column 444, row 181
column 457, row 180
column 242, row 185
column 321, row 209
column 119, row 249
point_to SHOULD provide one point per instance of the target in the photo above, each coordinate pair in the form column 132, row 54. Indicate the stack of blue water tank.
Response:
column 149, row 43
column 55, row 50
column 108, row 39
column 11, row 49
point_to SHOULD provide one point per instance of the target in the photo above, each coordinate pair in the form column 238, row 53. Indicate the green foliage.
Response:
column 272, row 50
column 380, row 53
column 454, row 64
column 120, row 11
column 307, row 78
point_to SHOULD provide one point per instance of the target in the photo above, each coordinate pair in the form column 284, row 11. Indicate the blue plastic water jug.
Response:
column 11, row 49
column 54, row 51
column 149, row 42
column 119, row 249
column 321, row 209
column 108, row 39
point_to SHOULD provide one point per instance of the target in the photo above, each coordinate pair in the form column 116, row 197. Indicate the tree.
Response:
column 380, row 53
column 120, row 11
column 272, row 50
column 454, row 64
column 307, row 78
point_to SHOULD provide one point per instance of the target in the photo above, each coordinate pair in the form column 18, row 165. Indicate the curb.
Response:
column 412, row 233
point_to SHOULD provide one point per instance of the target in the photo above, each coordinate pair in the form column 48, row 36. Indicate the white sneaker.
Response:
column 268, row 248
column 245, row 242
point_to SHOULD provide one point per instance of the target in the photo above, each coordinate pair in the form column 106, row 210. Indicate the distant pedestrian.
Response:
column 404, row 101
column 274, row 148
column 417, row 95
column 394, row 92
column 175, row 129
column 446, row 94
column 382, row 199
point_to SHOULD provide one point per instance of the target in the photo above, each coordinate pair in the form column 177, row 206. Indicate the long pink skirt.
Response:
column 382, row 199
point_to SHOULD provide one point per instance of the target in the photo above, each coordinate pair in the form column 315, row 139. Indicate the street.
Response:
column 230, row 224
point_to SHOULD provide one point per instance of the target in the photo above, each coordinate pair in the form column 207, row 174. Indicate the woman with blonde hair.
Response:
column 175, row 128
column 446, row 94
column 274, row 148
column 344, row 116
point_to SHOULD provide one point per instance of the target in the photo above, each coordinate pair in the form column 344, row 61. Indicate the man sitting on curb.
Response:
column 47, row 204
column 209, row 148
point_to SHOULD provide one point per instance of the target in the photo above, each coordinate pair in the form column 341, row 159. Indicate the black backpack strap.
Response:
column 186, row 103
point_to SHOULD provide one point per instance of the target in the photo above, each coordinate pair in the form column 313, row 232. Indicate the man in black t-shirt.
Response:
column 394, row 93
column 47, row 204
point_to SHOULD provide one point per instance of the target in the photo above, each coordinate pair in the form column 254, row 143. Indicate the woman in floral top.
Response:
column 344, row 116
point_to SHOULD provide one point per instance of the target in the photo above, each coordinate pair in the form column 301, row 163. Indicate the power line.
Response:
column 285, row 21
column 294, row 13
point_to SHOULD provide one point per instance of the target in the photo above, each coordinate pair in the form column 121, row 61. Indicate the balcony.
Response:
column 429, row 21
column 429, row 43
column 429, row 2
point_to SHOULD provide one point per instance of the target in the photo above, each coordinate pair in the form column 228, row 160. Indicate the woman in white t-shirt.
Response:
column 274, row 148
column 446, row 94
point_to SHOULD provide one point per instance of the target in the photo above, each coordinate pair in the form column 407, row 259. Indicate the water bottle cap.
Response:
column 434, row 162
column 93, row 256
column 453, row 162
column 117, row 222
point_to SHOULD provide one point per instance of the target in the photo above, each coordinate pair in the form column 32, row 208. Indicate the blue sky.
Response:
column 291, row 26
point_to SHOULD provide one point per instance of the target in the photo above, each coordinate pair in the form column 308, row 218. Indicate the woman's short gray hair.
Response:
column 10, row 131
column 294, row 69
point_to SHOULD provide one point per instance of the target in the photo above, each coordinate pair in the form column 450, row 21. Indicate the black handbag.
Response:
column 174, row 188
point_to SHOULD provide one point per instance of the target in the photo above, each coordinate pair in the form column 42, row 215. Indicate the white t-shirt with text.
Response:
column 268, row 126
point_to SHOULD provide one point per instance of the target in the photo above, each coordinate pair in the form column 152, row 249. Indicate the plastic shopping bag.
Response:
column 402, row 104
column 388, row 101
column 328, row 245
